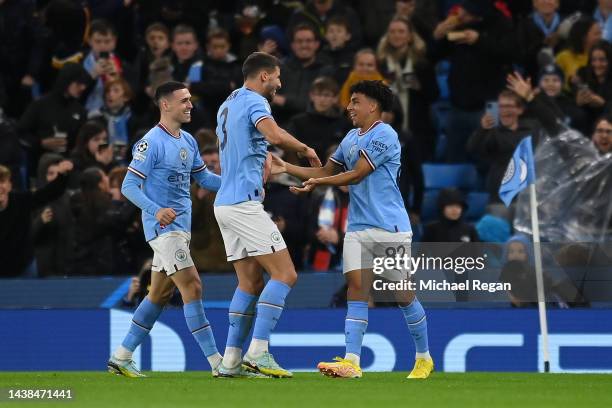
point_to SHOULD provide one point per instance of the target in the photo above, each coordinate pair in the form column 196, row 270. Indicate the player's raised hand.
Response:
column 165, row 216
column 312, row 157
column 277, row 165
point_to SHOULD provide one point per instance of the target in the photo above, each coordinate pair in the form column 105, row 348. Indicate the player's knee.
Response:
column 195, row 288
column 254, row 287
column 290, row 277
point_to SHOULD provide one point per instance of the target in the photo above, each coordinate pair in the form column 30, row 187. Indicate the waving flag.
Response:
column 519, row 173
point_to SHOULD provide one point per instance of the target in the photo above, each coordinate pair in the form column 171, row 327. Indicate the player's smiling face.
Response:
column 271, row 83
column 179, row 106
column 359, row 108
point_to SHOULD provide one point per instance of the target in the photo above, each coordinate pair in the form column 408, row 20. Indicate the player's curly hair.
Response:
column 376, row 90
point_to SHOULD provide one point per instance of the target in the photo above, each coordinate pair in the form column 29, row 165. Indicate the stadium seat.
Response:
column 477, row 204
column 461, row 176
column 429, row 208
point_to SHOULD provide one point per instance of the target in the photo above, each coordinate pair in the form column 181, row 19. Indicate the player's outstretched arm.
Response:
column 304, row 173
column 280, row 137
column 208, row 180
column 361, row 170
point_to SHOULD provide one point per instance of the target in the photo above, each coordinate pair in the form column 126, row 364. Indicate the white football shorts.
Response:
column 361, row 247
column 171, row 252
column 248, row 230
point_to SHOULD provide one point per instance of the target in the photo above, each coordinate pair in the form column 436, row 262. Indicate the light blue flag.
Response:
column 519, row 173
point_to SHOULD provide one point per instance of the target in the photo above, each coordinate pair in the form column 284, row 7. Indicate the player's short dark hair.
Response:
column 102, row 27
column 167, row 88
column 257, row 62
column 376, row 90
column 184, row 29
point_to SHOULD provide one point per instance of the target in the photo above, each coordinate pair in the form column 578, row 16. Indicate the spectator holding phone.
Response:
column 496, row 139
column 593, row 82
column 92, row 149
column 101, row 62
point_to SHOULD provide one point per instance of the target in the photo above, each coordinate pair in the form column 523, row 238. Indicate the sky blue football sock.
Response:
column 199, row 326
column 417, row 325
column 269, row 308
column 355, row 325
column 142, row 322
column 241, row 314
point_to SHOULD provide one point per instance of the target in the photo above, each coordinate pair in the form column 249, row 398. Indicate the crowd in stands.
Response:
column 471, row 79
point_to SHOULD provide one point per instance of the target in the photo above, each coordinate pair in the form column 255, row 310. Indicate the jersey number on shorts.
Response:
column 224, row 114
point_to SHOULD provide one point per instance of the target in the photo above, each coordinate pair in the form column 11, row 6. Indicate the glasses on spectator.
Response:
column 606, row 132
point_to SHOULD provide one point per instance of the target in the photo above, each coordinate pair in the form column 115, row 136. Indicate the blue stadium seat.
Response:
column 477, row 204
column 429, row 208
column 461, row 176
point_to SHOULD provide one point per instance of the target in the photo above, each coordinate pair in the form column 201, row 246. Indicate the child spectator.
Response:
column 337, row 51
column 219, row 75
column 450, row 227
column 323, row 123
column 157, row 47
column 365, row 68
column 551, row 84
column 118, row 116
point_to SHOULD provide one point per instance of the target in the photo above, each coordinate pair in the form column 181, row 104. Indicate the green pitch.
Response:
column 199, row 389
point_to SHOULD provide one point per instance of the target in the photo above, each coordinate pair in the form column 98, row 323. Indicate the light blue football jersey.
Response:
column 242, row 148
column 376, row 201
column 166, row 164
